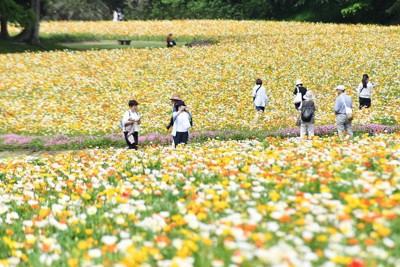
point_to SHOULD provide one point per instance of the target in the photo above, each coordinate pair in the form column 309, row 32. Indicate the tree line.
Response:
column 28, row 13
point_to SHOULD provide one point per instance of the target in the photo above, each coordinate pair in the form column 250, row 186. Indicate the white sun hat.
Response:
column 340, row 87
column 298, row 81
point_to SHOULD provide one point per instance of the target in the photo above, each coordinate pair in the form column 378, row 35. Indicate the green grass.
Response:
column 113, row 44
column 86, row 42
column 10, row 46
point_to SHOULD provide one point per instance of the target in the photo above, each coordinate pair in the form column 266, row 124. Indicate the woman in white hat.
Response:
column 307, row 115
column 299, row 89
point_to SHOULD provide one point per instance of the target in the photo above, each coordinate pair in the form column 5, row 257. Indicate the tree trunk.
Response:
column 4, row 31
column 35, row 30
column 31, row 33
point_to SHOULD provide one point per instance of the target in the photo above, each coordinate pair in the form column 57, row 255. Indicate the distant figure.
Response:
column 115, row 16
column 120, row 16
column 259, row 94
column 364, row 91
column 170, row 41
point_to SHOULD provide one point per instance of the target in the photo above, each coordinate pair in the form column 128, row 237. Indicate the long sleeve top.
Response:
column 365, row 92
column 181, row 123
column 260, row 95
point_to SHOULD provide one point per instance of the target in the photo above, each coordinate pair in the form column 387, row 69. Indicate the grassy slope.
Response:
column 49, row 45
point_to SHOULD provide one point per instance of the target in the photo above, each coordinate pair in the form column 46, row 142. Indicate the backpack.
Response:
column 307, row 113
column 190, row 119
column 121, row 122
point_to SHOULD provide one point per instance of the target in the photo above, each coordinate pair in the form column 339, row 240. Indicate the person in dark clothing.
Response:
column 299, row 88
column 170, row 41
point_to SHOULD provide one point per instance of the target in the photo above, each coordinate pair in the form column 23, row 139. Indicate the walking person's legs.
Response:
column 260, row 108
column 130, row 145
column 303, row 129
column 340, row 124
column 181, row 138
column 310, row 130
column 136, row 138
column 349, row 128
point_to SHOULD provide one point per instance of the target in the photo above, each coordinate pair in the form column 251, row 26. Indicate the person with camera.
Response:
column 364, row 91
column 181, row 124
column 131, row 121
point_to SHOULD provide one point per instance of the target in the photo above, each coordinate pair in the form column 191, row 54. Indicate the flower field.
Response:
column 85, row 93
column 245, row 192
column 279, row 202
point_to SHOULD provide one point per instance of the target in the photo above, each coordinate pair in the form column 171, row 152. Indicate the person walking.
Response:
column 299, row 89
column 259, row 94
column 181, row 124
column 131, row 121
column 343, row 102
column 307, row 108
column 364, row 92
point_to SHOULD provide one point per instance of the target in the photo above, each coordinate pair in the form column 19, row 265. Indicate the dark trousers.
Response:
column 135, row 138
column 364, row 102
column 181, row 138
column 260, row 108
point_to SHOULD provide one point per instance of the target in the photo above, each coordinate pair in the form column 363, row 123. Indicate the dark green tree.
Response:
column 12, row 12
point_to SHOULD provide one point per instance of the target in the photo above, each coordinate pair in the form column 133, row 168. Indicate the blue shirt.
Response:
column 340, row 108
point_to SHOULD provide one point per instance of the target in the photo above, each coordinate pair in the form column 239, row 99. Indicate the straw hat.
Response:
column 175, row 97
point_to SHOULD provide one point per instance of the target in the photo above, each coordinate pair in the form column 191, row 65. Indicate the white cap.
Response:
column 298, row 81
column 340, row 87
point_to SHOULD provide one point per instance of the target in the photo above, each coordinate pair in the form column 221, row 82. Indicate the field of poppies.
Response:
column 86, row 93
column 271, row 200
column 279, row 202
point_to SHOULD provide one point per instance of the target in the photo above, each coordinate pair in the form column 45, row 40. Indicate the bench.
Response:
column 124, row 42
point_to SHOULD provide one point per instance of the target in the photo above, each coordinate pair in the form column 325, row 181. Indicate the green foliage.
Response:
column 16, row 13
column 366, row 11
column 386, row 120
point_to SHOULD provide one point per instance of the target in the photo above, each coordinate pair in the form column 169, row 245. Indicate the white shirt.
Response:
column 366, row 92
column 181, row 123
column 261, row 97
column 131, row 115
